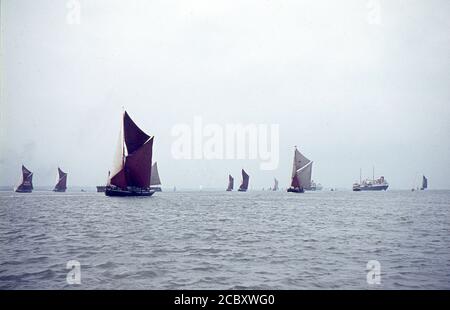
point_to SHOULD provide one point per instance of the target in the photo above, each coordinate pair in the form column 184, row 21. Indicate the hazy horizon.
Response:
column 351, row 85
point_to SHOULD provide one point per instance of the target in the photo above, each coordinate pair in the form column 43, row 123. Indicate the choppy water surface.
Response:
column 226, row 240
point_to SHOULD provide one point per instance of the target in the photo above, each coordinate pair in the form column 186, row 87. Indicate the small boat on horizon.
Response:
column 101, row 188
column 275, row 185
column 245, row 180
column 26, row 182
column 61, row 181
column 131, row 171
column 424, row 184
column 301, row 173
column 155, row 182
column 230, row 183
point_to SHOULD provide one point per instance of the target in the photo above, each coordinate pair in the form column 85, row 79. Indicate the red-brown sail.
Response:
column 119, row 179
column 295, row 183
column 61, row 185
column 133, row 135
column 138, row 166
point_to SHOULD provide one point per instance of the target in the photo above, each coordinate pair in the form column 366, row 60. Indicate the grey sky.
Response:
column 348, row 91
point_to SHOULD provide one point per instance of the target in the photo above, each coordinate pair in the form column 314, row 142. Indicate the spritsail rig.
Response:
column 230, row 183
column 301, row 173
column 424, row 183
column 131, row 171
column 275, row 186
column 26, row 182
column 155, row 182
column 61, row 181
column 245, row 179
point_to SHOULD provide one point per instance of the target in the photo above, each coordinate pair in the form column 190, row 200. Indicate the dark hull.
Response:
column 371, row 188
column 229, row 190
column 242, row 190
column 156, row 189
column 101, row 189
column 295, row 190
column 115, row 192
column 24, row 190
column 59, row 190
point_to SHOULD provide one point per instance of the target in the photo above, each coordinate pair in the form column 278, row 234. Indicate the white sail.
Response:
column 304, row 176
column 154, row 178
column 118, row 156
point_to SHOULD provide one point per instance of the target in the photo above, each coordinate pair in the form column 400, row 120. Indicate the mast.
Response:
column 373, row 174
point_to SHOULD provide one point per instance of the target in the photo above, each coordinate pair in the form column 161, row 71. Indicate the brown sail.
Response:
column 132, row 169
column 245, row 179
column 230, row 183
column 26, row 183
column 61, row 184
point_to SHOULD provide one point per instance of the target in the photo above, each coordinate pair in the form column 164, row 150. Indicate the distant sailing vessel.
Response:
column 131, row 172
column 26, row 182
column 155, row 182
column 301, row 173
column 424, row 183
column 61, row 182
column 275, row 186
column 245, row 179
column 379, row 184
column 230, row 183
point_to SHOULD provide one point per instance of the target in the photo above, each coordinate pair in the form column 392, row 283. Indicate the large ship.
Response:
column 61, row 181
column 373, row 184
column 26, row 181
column 301, row 173
column 131, row 171
column 316, row 186
column 230, row 183
column 245, row 180
column 155, row 181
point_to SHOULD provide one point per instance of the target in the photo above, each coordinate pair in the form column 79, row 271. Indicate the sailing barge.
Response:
column 275, row 185
column 61, row 181
column 301, row 173
column 230, row 183
column 245, row 180
column 131, row 171
column 26, row 182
